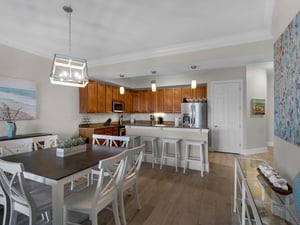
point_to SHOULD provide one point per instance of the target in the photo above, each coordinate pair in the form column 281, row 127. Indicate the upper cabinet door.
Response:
column 109, row 98
column 128, row 101
column 88, row 98
column 168, row 100
column 177, row 100
column 101, row 96
column 200, row 92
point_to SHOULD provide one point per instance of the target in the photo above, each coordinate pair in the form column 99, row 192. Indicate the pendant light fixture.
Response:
column 68, row 70
column 193, row 82
column 122, row 89
column 153, row 82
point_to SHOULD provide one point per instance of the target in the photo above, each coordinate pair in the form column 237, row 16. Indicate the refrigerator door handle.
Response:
column 193, row 114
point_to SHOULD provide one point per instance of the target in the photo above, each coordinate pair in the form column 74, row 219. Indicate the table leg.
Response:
column 57, row 203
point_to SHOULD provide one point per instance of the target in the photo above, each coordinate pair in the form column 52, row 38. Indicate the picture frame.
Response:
column 258, row 106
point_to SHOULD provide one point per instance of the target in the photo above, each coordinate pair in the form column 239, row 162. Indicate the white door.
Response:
column 226, row 111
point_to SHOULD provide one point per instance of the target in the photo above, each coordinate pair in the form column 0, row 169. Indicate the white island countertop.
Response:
column 183, row 133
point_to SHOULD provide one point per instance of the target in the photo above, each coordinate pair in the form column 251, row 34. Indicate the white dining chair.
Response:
column 35, row 204
column 134, row 162
column 101, row 139
column 96, row 197
column 119, row 141
column 15, row 146
column 4, row 201
column 43, row 142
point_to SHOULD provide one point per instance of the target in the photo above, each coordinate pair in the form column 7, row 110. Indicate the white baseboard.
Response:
column 252, row 151
column 270, row 144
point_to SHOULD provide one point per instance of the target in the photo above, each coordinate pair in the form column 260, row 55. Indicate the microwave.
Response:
column 118, row 107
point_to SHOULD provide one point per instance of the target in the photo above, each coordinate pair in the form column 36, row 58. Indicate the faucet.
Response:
column 121, row 119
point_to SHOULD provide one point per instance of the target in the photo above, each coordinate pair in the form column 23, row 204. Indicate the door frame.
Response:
column 241, row 84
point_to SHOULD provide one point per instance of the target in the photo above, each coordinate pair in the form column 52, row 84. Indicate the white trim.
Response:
column 270, row 143
column 252, row 151
column 243, row 38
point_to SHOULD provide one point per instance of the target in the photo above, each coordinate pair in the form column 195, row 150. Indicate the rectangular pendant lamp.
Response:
column 69, row 71
column 66, row 69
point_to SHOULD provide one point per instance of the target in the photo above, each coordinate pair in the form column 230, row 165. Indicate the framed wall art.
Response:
column 258, row 106
column 17, row 99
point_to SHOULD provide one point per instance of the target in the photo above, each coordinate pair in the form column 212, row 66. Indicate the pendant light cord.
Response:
column 70, row 38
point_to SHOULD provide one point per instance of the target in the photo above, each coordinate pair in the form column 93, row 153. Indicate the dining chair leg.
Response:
column 13, row 218
column 94, row 219
column 122, row 208
column 116, row 211
column 136, row 195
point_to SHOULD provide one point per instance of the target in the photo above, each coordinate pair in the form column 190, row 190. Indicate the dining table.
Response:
column 45, row 167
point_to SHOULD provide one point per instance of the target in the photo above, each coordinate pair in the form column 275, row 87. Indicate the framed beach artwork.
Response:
column 17, row 99
column 258, row 106
column 287, row 83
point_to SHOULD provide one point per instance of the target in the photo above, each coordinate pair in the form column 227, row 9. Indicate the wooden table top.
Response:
column 45, row 162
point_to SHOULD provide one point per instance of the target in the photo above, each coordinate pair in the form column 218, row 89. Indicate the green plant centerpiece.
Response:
column 71, row 146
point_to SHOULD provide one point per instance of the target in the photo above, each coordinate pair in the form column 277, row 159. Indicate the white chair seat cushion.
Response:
column 82, row 200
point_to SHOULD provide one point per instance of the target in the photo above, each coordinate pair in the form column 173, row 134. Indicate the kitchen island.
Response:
column 168, row 130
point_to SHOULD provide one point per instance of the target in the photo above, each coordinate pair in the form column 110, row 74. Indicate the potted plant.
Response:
column 9, row 115
column 70, row 146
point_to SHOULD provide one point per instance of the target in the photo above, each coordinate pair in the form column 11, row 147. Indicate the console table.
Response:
column 255, row 202
column 21, row 136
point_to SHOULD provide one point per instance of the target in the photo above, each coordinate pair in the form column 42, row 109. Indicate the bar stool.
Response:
column 152, row 141
column 189, row 158
column 134, row 141
column 165, row 154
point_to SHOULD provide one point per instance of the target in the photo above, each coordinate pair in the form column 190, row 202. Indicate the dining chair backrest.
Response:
column 101, row 139
column 113, row 169
column 119, row 141
column 12, row 179
column 15, row 146
column 134, row 161
column 43, row 142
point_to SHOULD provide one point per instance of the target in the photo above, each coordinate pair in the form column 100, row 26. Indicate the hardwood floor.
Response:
column 170, row 198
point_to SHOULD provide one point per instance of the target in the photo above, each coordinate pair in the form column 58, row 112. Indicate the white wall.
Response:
column 286, row 155
column 256, row 125
column 57, row 106
column 270, row 107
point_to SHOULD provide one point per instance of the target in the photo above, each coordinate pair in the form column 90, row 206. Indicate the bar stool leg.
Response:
column 153, row 154
column 201, row 159
column 162, row 154
column 185, row 157
column 176, row 156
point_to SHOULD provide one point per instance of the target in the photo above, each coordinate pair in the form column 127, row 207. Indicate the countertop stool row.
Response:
column 166, row 153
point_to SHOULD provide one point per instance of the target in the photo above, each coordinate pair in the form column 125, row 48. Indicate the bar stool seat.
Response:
column 189, row 158
column 165, row 154
column 134, row 141
column 152, row 151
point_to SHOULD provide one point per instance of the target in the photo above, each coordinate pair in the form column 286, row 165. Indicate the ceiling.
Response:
column 113, row 31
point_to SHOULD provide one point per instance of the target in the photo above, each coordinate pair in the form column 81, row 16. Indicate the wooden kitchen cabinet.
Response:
column 136, row 99
column 177, row 95
column 200, row 92
column 108, row 98
column 186, row 92
column 116, row 96
column 101, row 97
column 128, row 101
column 159, row 100
column 88, row 98
column 168, row 100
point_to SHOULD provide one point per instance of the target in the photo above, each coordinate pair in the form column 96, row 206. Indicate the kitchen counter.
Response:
column 166, row 124
column 168, row 130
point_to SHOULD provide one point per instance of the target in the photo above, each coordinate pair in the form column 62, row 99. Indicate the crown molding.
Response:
column 243, row 38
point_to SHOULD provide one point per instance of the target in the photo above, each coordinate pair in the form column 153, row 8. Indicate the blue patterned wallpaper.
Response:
column 287, row 83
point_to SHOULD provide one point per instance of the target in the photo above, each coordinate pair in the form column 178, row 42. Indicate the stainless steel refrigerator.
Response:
column 194, row 114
